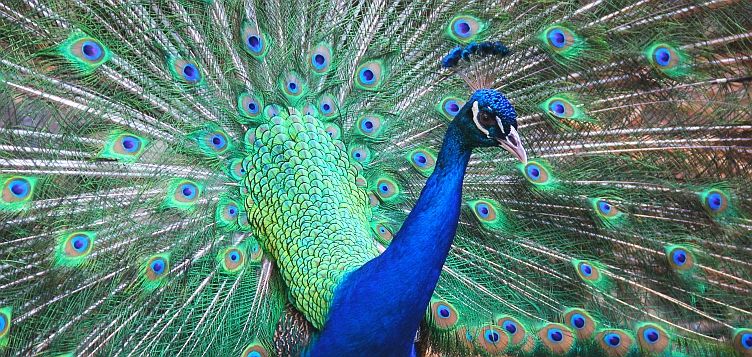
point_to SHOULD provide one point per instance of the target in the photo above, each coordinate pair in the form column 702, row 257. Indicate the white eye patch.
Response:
column 476, row 110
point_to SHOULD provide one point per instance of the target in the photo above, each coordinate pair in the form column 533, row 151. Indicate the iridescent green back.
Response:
column 306, row 209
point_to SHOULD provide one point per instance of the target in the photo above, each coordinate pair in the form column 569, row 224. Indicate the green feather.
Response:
column 668, row 59
column 232, row 259
column 73, row 249
column 227, row 214
column 489, row 213
column 17, row 192
column 213, row 141
column 465, row 28
column 563, row 42
column 592, row 273
column 423, row 160
column 182, row 194
column 124, row 146
column 6, row 316
column 84, row 52
column 154, row 272
column 250, row 107
column 564, row 106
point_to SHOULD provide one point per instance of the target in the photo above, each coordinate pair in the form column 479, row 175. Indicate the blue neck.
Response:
column 377, row 309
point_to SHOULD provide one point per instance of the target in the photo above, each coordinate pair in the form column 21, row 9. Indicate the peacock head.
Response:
column 488, row 119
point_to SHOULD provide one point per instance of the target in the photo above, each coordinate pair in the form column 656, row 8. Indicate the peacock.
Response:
column 376, row 178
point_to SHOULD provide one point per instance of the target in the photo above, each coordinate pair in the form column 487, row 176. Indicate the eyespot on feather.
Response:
column 217, row 140
column 444, row 315
column 86, row 53
column 580, row 322
column 488, row 212
column 422, row 160
column 680, row 258
column 667, row 59
column 537, row 173
column 557, row 338
column 333, row 131
column 387, row 189
column 182, row 194
column 605, row 209
column 586, row 270
column 514, row 328
column 272, row 111
column 17, row 192
column 250, row 106
column 383, row 232
column 564, row 106
column 156, row 267
column 254, row 42
column 320, row 58
column 559, row 38
column 255, row 350
column 6, row 320
column 74, row 247
column 123, row 146
column 256, row 253
column 742, row 341
column 292, row 86
column 310, row 109
column 227, row 213
column 615, row 343
column 328, row 107
column 465, row 28
column 450, row 106
column 361, row 154
column 493, row 339
column 232, row 259
column 185, row 70
column 715, row 202
column 652, row 338
column 370, row 75
column 236, row 170
column 370, row 126
column 562, row 42
column 187, row 192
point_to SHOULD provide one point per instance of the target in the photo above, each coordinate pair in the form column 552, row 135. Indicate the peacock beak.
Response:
column 513, row 144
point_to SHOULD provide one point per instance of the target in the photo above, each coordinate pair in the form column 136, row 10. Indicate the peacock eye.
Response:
column 578, row 321
column 185, row 70
column 612, row 339
column 586, row 269
column 651, row 335
column 510, row 326
column 486, row 119
column 91, row 50
column 254, row 42
column 555, row 335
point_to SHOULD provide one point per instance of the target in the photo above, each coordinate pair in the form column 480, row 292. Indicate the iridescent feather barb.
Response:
column 204, row 177
column 465, row 61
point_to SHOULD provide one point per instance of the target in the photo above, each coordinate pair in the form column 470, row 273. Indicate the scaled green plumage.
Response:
column 307, row 210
